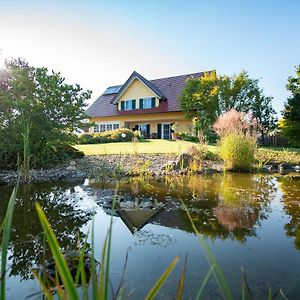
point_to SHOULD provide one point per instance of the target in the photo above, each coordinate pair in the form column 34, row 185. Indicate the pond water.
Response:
column 249, row 221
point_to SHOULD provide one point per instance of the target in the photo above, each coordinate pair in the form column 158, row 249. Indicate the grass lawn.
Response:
column 265, row 154
column 151, row 146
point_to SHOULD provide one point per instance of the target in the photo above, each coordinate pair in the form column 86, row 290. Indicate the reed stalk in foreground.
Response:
column 5, row 234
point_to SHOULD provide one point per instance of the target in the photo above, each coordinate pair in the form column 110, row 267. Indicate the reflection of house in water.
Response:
column 136, row 213
column 220, row 206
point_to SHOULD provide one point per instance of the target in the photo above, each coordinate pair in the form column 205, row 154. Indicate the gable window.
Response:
column 128, row 105
column 147, row 102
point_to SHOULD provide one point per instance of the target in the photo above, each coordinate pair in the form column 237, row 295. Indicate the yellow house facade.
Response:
column 150, row 106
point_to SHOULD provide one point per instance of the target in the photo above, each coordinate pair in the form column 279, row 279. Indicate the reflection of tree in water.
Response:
column 290, row 188
column 27, row 240
column 229, row 205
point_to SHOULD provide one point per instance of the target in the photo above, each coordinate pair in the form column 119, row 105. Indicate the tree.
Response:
column 40, row 108
column 210, row 96
column 290, row 125
column 199, row 99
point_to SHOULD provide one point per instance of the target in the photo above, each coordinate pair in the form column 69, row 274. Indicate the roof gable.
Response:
column 135, row 75
column 170, row 87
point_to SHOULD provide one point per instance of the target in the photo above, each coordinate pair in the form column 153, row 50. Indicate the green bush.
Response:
column 200, row 152
column 51, row 154
column 111, row 136
column 186, row 137
column 238, row 151
column 85, row 138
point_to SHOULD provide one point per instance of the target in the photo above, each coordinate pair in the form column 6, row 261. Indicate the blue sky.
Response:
column 99, row 43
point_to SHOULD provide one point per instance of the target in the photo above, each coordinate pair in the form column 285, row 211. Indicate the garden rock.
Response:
column 268, row 169
column 297, row 168
column 284, row 169
column 73, row 176
column 183, row 161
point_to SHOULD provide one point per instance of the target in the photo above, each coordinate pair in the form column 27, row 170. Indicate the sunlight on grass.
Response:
column 147, row 147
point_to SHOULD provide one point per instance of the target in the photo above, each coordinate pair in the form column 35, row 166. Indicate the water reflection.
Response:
column 62, row 207
column 290, row 187
column 221, row 206
column 224, row 208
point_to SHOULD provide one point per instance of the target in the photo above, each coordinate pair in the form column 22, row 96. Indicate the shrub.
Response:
column 237, row 150
column 52, row 154
column 85, row 138
column 235, row 122
column 186, row 137
column 111, row 136
column 201, row 152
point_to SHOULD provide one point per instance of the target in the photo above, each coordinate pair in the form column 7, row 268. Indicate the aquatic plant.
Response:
column 5, row 230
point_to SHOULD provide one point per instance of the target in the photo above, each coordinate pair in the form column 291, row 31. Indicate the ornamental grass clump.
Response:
column 236, row 131
column 237, row 151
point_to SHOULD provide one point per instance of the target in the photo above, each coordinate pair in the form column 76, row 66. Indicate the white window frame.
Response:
column 147, row 99
column 103, row 126
column 162, row 130
column 126, row 102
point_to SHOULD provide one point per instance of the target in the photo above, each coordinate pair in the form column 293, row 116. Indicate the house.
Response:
column 150, row 106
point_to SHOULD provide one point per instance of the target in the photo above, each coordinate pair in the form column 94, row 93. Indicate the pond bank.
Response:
column 112, row 167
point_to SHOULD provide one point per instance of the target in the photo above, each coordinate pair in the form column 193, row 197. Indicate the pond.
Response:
column 248, row 221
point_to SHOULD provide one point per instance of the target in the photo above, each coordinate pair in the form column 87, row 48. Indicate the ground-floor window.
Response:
column 101, row 127
column 145, row 130
column 164, row 131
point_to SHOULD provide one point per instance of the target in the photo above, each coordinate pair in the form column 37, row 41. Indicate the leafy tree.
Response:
column 40, row 103
column 199, row 99
column 210, row 96
column 290, row 125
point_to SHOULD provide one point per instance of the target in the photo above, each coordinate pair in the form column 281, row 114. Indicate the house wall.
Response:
column 152, row 119
column 137, row 90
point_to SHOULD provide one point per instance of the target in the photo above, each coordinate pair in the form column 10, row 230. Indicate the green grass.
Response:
column 264, row 155
column 147, row 147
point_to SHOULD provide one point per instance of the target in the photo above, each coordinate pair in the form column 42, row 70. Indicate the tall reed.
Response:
column 5, row 234
column 26, row 151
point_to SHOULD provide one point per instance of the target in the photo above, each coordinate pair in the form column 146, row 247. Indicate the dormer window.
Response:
column 147, row 102
column 128, row 105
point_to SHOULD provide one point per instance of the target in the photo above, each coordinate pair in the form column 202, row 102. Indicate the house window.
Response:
column 128, row 105
column 101, row 127
column 109, row 127
column 147, row 103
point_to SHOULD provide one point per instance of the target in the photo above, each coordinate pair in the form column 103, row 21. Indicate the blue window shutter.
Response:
column 148, row 129
column 133, row 104
column 141, row 103
column 153, row 102
column 122, row 105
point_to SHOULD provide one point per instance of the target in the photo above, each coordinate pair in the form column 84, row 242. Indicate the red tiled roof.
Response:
column 170, row 87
